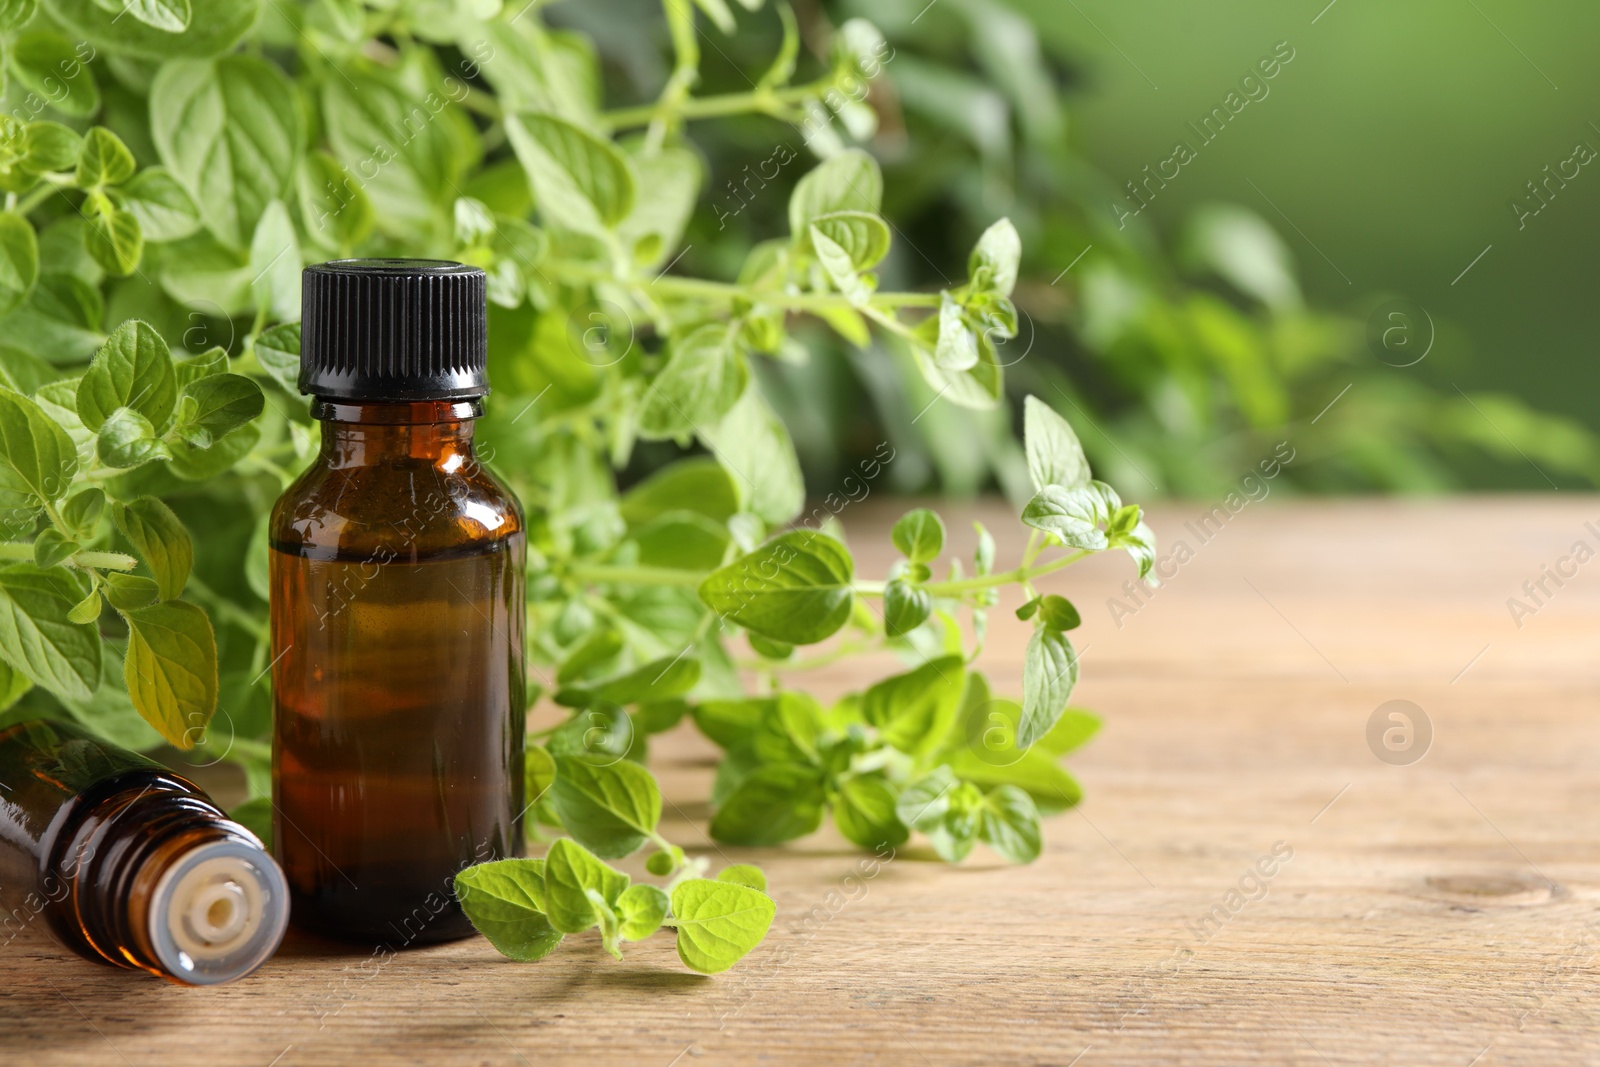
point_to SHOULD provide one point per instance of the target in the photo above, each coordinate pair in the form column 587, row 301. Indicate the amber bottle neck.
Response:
column 119, row 846
column 362, row 435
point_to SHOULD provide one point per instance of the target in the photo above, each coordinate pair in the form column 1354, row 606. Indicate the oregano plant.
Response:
column 169, row 167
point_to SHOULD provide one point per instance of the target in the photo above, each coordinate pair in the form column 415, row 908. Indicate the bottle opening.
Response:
column 218, row 913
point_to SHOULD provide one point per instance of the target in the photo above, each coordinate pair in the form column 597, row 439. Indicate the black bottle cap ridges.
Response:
column 394, row 330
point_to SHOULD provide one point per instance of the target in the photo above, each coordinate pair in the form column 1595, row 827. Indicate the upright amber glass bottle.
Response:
column 397, row 612
column 126, row 863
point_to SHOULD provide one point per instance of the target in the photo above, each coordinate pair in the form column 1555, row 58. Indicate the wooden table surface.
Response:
column 1441, row 912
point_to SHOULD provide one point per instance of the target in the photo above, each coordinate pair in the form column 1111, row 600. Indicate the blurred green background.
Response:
column 1394, row 140
column 1258, row 288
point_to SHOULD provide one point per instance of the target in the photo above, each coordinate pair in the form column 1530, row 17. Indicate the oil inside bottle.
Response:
column 396, row 756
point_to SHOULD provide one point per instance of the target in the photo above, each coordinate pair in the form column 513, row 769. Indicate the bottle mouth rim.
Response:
column 218, row 912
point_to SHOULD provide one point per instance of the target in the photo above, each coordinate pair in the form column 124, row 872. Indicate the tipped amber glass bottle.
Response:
column 397, row 612
column 126, row 863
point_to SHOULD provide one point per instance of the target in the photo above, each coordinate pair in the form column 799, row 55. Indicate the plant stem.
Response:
column 106, row 561
column 760, row 101
column 639, row 575
column 48, row 185
column 611, row 575
column 700, row 288
column 984, row 581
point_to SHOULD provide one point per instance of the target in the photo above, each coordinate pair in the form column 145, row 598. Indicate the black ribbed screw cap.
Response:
column 394, row 330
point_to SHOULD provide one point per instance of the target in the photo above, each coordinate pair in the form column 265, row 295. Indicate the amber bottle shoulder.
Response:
column 400, row 508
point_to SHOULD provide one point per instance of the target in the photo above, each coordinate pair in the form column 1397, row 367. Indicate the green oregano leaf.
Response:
column 171, row 669
column 51, row 548
column 919, row 535
column 133, row 369
column 609, row 809
column 170, row 16
column 49, row 64
column 571, row 872
column 214, row 406
column 915, row 711
column 641, row 909
column 128, row 592
column 229, row 129
column 86, row 611
column 538, row 774
column 1009, row 824
column 841, row 269
column 580, row 181
column 19, row 260
column 1049, row 673
column 864, row 811
column 795, row 588
column 997, row 254
column 861, row 235
column 36, row 455
column 278, row 351
column 127, row 439
column 39, row 638
column 504, row 901
column 849, row 181
column 744, row 874
column 1073, row 515
column 103, row 160
column 751, row 438
column 905, row 607
column 719, row 922
column 1057, row 613
column 50, row 146
column 160, row 540
column 703, row 379
column 773, row 804
column 115, row 241
column 1054, row 455
column 211, row 362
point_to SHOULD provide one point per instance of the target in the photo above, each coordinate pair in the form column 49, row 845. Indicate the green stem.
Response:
column 983, row 581
column 49, row 184
column 640, row 575
column 699, row 288
column 612, row 575
column 106, row 561
column 481, row 102
column 891, row 323
column 759, row 101
column 1031, row 553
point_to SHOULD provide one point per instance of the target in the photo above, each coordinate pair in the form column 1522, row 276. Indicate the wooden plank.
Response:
column 1437, row 913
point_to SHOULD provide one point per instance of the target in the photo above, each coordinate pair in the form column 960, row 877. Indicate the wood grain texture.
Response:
column 1443, row 912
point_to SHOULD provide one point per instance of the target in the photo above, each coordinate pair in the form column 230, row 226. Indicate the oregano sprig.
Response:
column 526, row 907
